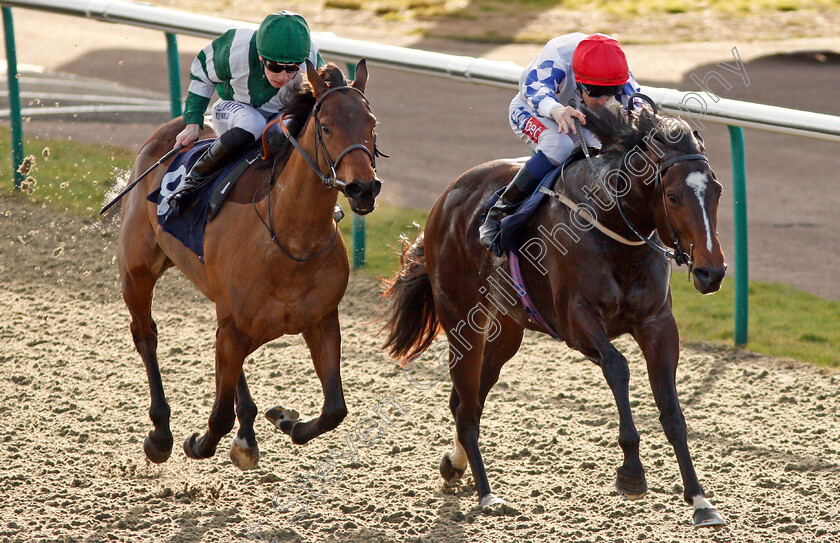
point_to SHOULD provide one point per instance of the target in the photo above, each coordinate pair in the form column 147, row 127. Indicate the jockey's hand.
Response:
column 564, row 116
column 188, row 135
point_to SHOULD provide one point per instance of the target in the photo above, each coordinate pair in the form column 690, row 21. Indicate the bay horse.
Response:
column 274, row 262
column 588, row 287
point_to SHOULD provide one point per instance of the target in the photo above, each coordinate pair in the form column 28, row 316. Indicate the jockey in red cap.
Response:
column 574, row 66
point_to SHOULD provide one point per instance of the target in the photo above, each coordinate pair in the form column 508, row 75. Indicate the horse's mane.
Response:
column 300, row 106
column 620, row 133
column 302, row 102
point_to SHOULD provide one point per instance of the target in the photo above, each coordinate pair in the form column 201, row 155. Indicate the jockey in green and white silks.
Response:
column 590, row 69
column 254, row 73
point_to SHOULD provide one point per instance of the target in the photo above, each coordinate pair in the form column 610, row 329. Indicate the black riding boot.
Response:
column 229, row 143
column 517, row 191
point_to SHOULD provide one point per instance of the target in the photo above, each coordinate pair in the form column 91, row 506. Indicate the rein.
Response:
column 329, row 180
column 679, row 255
column 270, row 227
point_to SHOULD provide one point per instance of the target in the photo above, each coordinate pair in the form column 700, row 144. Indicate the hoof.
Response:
column 708, row 517
column 191, row 446
column 283, row 419
column 450, row 473
column 631, row 488
column 156, row 454
column 490, row 500
column 242, row 456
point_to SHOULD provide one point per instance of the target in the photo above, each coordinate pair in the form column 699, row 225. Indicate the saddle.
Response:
column 188, row 226
column 512, row 225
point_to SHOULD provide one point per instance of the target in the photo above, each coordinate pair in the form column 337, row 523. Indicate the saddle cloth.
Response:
column 513, row 223
column 188, row 226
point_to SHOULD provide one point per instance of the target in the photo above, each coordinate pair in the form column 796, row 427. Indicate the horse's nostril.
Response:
column 377, row 186
column 353, row 190
column 709, row 276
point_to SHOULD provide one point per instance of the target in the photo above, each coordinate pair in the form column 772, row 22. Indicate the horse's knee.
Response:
column 143, row 333
column 247, row 410
column 616, row 370
column 674, row 427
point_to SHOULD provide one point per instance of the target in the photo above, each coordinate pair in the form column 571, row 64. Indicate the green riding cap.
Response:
column 284, row 37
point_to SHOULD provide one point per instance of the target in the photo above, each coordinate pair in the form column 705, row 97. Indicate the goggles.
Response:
column 277, row 67
column 597, row 91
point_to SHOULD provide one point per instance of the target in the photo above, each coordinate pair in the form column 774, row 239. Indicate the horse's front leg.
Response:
column 588, row 335
column 324, row 342
column 244, row 451
column 659, row 340
column 232, row 346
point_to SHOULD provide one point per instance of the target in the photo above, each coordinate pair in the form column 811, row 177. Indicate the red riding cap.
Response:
column 599, row 60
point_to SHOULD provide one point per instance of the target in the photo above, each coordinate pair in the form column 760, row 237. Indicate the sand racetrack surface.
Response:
column 764, row 433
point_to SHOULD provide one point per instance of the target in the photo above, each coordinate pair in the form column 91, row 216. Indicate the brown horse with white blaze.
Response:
column 274, row 262
column 589, row 279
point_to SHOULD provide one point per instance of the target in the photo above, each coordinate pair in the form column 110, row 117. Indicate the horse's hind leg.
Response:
column 497, row 352
column 232, row 346
column 589, row 337
column 244, row 451
column 324, row 342
column 138, row 284
column 472, row 378
column 454, row 464
column 659, row 341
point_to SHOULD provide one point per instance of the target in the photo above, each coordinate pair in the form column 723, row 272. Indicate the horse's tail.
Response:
column 412, row 320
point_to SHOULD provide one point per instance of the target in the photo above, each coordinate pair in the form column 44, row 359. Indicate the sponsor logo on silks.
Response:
column 170, row 183
column 533, row 128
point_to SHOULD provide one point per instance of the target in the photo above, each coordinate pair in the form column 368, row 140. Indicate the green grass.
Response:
column 383, row 229
column 74, row 177
column 783, row 321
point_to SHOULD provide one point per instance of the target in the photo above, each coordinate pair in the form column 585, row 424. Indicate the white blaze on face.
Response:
column 698, row 181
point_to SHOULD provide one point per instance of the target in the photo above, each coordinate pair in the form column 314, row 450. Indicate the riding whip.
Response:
column 127, row 189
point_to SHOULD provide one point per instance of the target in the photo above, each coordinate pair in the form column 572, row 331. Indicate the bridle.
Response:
column 330, row 179
column 679, row 255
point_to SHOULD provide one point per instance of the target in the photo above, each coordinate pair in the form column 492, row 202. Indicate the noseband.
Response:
column 330, row 179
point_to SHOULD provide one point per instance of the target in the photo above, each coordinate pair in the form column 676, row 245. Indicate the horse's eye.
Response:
column 325, row 130
column 673, row 199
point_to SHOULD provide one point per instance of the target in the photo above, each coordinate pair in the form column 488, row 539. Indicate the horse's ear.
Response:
column 315, row 79
column 361, row 75
column 700, row 141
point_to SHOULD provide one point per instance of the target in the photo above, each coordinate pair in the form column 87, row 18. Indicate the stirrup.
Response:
column 183, row 199
column 492, row 244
